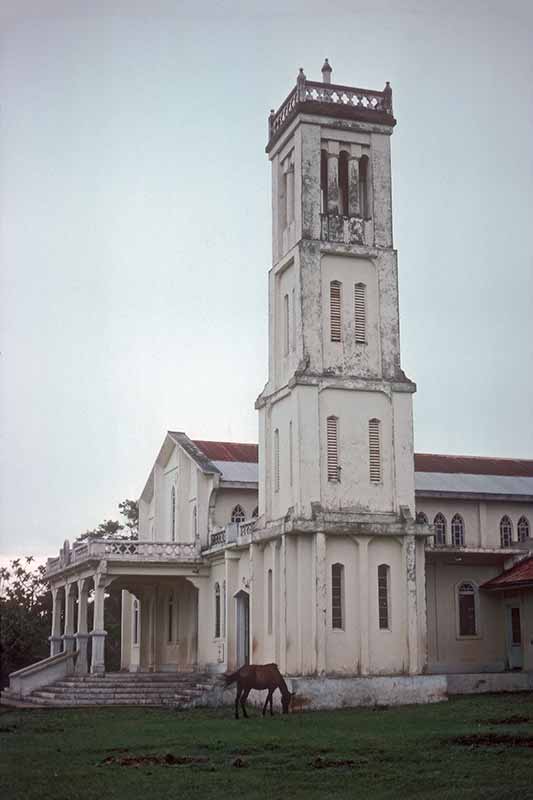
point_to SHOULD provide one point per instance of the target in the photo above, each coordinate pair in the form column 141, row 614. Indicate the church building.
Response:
column 365, row 571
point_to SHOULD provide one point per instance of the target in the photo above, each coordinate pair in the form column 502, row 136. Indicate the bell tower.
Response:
column 336, row 413
column 336, row 462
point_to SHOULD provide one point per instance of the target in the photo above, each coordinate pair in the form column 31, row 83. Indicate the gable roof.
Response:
column 199, row 456
column 473, row 465
column 518, row 576
column 228, row 451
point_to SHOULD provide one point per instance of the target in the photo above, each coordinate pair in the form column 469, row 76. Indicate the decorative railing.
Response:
column 218, row 537
column 122, row 550
column 234, row 532
column 246, row 528
column 368, row 101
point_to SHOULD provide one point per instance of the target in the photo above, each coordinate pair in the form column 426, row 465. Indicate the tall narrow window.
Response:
column 255, row 512
column 523, row 529
column 343, row 182
column 282, row 198
column 439, row 523
column 335, row 315
column 332, row 432
column 337, row 596
column 135, row 632
column 467, row 609
column 374, row 450
column 290, row 453
column 217, row 610
column 384, row 596
column 323, row 182
column 293, row 327
column 173, row 514
column 359, row 299
column 224, row 600
column 269, row 601
column 506, row 532
column 276, row 460
column 238, row 514
column 286, row 335
column 363, row 187
column 170, row 618
column 422, row 518
column 195, row 522
column 458, row 531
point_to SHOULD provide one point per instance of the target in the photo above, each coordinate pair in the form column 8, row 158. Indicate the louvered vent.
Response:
column 276, row 460
column 374, row 448
column 333, row 455
column 335, row 310
column 360, row 312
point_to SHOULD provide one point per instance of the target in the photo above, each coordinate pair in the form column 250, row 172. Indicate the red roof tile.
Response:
column 519, row 575
column 473, row 465
column 228, row 451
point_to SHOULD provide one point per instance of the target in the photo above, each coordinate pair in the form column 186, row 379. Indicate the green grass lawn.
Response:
column 412, row 752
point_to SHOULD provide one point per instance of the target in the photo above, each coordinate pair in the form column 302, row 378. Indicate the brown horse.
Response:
column 259, row 676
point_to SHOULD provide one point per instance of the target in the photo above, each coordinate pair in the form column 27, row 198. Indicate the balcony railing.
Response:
column 234, row 532
column 121, row 550
column 365, row 104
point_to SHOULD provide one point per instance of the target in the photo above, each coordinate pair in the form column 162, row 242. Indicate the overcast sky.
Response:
column 135, row 238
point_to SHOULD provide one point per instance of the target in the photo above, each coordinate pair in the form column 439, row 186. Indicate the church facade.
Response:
column 331, row 548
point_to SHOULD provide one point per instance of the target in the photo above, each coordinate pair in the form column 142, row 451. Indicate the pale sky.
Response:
column 135, row 228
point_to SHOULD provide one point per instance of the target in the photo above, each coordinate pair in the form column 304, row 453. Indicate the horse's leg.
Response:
column 237, row 698
column 269, row 697
column 244, row 698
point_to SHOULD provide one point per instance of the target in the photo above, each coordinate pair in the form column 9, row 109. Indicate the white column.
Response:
column 282, row 606
column 231, row 569
column 82, row 635
column 68, row 637
column 153, row 615
column 412, row 604
column 205, row 633
column 364, row 655
column 333, row 183
column 321, row 601
column 353, row 187
column 98, row 633
column 55, row 634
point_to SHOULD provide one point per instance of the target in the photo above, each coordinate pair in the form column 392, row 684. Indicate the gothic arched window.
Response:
column 421, row 518
column 337, row 596
column 506, row 532
column 523, row 529
column 439, row 523
column 217, row 610
column 458, row 531
column 467, row 602
column 255, row 512
column 384, row 596
column 238, row 514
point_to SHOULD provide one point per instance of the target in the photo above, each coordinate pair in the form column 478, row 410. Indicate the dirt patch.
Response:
column 514, row 720
column 493, row 740
column 326, row 763
column 166, row 760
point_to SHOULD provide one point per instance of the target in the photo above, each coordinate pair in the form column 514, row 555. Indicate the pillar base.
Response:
column 69, row 642
column 82, row 641
column 55, row 645
column 98, row 656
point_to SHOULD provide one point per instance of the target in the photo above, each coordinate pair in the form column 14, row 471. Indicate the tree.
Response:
column 26, row 613
column 113, row 529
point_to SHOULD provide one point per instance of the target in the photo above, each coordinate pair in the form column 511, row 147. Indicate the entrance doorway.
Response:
column 242, row 601
column 514, row 638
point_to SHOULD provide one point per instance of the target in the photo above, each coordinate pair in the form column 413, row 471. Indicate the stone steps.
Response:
column 177, row 690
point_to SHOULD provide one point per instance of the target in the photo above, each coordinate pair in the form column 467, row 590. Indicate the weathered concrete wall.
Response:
column 480, row 683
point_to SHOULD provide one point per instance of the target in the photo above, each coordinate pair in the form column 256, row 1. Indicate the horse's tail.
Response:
column 231, row 677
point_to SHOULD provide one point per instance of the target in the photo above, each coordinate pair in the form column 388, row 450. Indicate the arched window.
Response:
column 171, row 613
column 135, row 621
column 384, row 596
column 335, row 310
column 363, row 187
column 255, row 512
column 458, row 531
column 195, row 521
column 506, row 532
column 217, row 610
column 332, row 432
column 439, row 523
column 269, row 601
column 337, row 596
column 323, row 182
column 374, row 450
column 467, row 602
column 359, row 297
column 224, row 608
column 523, row 529
column 343, row 182
column 286, row 325
column 291, row 472
column 421, row 518
column 276, row 460
column 238, row 514
column 173, row 514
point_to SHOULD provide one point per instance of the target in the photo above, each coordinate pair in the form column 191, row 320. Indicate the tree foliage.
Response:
column 25, row 615
column 114, row 529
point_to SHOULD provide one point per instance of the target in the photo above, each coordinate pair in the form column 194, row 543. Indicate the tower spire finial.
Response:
column 326, row 72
